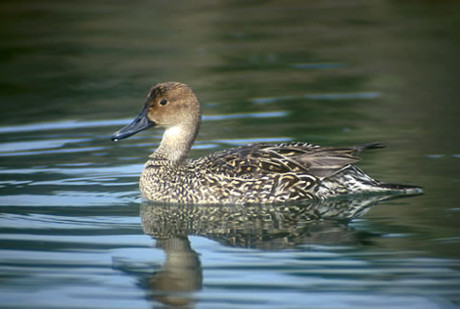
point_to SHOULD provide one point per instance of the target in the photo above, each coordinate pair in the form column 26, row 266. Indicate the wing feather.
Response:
column 262, row 159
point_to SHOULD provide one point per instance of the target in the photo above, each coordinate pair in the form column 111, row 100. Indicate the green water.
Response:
column 74, row 232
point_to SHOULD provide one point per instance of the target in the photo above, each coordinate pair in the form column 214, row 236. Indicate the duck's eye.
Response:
column 163, row 102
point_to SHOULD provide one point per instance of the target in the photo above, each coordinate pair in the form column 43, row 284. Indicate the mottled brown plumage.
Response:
column 256, row 173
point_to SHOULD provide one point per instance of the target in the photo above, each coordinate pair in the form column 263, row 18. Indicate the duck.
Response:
column 258, row 173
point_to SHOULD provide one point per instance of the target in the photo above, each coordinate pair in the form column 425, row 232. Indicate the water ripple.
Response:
column 316, row 65
column 73, row 124
column 320, row 96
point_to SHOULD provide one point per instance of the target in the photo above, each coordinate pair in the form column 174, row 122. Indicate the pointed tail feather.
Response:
column 375, row 145
column 402, row 189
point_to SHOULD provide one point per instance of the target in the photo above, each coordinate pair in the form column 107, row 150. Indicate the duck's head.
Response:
column 168, row 105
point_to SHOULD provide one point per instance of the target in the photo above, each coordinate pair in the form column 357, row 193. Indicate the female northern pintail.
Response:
column 255, row 173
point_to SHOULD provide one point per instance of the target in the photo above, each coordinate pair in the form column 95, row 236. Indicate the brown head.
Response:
column 168, row 105
column 172, row 106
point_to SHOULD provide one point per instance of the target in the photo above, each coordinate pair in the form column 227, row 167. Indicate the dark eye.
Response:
column 163, row 102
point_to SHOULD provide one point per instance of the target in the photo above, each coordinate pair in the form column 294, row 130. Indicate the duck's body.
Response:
column 256, row 173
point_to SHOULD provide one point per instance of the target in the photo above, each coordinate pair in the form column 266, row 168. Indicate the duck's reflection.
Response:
column 266, row 227
column 181, row 273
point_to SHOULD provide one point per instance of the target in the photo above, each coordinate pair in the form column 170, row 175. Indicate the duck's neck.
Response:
column 177, row 141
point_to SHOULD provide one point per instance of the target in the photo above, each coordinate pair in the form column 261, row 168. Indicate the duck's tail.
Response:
column 353, row 180
column 400, row 189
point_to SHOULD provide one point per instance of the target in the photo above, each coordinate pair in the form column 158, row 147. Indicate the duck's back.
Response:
column 271, row 159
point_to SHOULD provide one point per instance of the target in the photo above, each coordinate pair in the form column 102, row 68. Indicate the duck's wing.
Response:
column 322, row 162
column 261, row 159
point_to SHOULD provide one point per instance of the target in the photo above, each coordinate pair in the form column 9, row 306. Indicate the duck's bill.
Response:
column 140, row 123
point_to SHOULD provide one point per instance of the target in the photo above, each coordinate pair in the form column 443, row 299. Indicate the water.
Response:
column 74, row 231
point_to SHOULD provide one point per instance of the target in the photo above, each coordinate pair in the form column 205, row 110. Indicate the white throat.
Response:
column 176, row 142
column 174, row 133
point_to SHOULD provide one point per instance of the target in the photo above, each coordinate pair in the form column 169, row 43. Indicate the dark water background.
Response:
column 73, row 231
